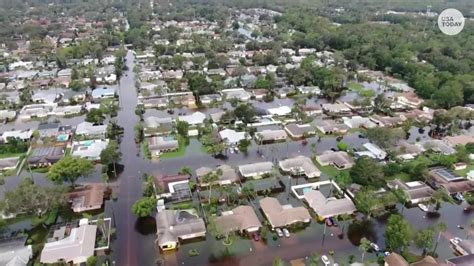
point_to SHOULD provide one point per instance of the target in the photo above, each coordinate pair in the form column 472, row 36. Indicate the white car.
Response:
column 325, row 260
column 375, row 246
column 279, row 232
column 455, row 241
column 286, row 232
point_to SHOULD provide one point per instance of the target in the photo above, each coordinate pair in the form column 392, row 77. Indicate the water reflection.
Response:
column 145, row 225
column 359, row 229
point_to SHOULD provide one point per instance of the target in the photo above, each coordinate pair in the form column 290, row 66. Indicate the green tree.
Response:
column 209, row 179
column 33, row 199
column 111, row 155
column 424, row 239
column 367, row 172
column 144, row 207
column 277, row 261
column 244, row 144
column 69, row 169
column 91, row 261
column 95, row 116
column 185, row 170
column 367, row 202
column 397, row 233
column 182, row 128
column 364, row 247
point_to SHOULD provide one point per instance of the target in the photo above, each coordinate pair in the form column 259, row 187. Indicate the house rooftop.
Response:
column 239, row 219
column 328, row 207
column 300, row 165
column 280, row 216
column 171, row 226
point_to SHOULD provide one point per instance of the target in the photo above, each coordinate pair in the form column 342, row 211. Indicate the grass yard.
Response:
column 465, row 171
column 182, row 205
column 353, row 86
column 9, row 155
column 329, row 169
column 181, row 151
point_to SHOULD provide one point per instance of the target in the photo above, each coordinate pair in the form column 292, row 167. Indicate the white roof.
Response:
column 231, row 136
column 89, row 149
column 376, row 150
column 280, row 111
column 77, row 247
column 193, row 119
column 86, row 128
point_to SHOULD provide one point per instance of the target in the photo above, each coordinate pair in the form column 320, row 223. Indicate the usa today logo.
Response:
column 451, row 21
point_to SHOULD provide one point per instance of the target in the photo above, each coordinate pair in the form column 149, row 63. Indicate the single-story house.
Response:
column 312, row 110
column 284, row 92
column 7, row 115
column 158, row 126
column 242, row 219
column 388, row 121
column 358, row 122
column 14, row 252
column 46, row 155
column 157, row 145
column 24, row 135
column 227, row 177
column 210, row 98
column 437, row 145
column 330, row 127
column 175, row 225
column 328, row 207
column 309, row 90
column 459, row 140
column 416, row 191
column 155, row 102
column 255, row 170
column 102, row 93
column 89, row 149
column 270, row 135
column 174, row 187
column 407, row 151
column 336, row 109
column 48, row 129
column 339, row 159
column 440, row 177
column 90, row 130
column 74, row 245
column 375, row 150
column 194, row 119
column 89, row 197
column 297, row 131
column 232, row 137
column 394, row 259
column 279, row 111
column 237, row 93
column 300, row 165
column 465, row 260
column 281, row 216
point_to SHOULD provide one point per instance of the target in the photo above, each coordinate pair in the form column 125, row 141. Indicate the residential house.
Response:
column 74, row 245
column 328, row 207
column 90, row 130
column 14, row 252
column 36, row 111
column 155, row 102
column 279, row 111
column 373, row 151
column 158, row 145
column 336, row 109
column 437, row 145
column 443, row 178
column 184, row 98
column 416, row 191
column 300, row 165
column 173, row 226
column 46, row 155
column 102, row 93
column 407, row 151
column 409, row 100
column 256, row 170
column 48, row 129
column 24, row 135
column 238, row 94
column 358, row 122
column 242, row 219
column 194, row 119
column 309, row 90
column 312, row 110
column 155, row 126
column 228, row 175
column 173, row 187
column 330, row 127
column 87, row 198
column 231, row 137
column 210, row 98
column 464, row 247
column 68, row 110
column 89, row 149
column 270, row 135
column 388, row 121
column 284, row 92
column 338, row 159
column 297, row 131
column 466, row 260
column 462, row 140
column 7, row 115
column 258, row 94
column 281, row 216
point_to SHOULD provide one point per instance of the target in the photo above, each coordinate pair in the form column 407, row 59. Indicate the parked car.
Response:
column 325, row 260
column 455, row 241
column 375, row 246
column 386, row 253
column 279, row 232
column 286, row 232
column 458, row 197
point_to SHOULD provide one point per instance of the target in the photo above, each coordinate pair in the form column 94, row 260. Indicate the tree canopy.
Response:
column 69, row 169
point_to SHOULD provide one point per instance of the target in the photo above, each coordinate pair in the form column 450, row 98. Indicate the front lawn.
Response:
column 353, row 86
column 181, row 151
column 464, row 172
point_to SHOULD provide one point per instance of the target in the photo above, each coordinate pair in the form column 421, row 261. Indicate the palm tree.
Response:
column 364, row 247
column 441, row 227
column 402, row 197
column 209, row 179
